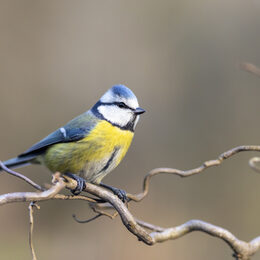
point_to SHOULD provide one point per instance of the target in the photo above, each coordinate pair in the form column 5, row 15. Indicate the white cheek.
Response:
column 116, row 115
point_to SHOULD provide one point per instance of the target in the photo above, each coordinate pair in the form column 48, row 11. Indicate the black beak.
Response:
column 139, row 111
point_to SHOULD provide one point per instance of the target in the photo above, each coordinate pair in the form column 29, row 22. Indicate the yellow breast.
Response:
column 90, row 152
column 106, row 136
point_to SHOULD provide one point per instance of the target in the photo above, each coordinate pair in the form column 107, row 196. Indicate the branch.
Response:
column 19, row 175
column 242, row 250
column 87, row 220
column 33, row 196
column 149, row 226
column 75, row 197
column 187, row 173
column 31, row 205
column 126, row 217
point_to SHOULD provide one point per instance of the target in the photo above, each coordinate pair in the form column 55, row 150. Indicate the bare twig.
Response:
column 33, row 196
column 21, row 176
column 149, row 226
column 181, row 173
column 87, row 220
column 249, row 67
column 242, row 250
column 31, row 205
column 126, row 217
column 97, row 209
column 74, row 197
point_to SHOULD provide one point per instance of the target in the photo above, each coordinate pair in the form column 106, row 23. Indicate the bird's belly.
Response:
column 92, row 157
column 96, row 170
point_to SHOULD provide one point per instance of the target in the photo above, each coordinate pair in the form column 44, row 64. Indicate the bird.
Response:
column 92, row 144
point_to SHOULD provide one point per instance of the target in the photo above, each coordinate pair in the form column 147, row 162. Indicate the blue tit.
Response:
column 91, row 145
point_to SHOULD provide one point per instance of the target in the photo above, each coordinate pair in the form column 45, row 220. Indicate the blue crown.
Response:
column 123, row 92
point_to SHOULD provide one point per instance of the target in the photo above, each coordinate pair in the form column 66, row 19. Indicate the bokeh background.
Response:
column 181, row 59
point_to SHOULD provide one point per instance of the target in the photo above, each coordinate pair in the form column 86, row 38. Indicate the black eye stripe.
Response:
column 119, row 104
column 123, row 105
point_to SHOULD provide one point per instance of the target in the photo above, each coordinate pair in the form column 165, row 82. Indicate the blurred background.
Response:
column 181, row 60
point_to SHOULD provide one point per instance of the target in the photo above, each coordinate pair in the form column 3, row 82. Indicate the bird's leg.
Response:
column 81, row 183
column 121, row 194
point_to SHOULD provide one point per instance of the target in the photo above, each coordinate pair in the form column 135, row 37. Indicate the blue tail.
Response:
column 19, row 161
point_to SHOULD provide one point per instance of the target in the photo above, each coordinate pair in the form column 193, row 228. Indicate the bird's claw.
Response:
column 121, row 194
column 81, row 183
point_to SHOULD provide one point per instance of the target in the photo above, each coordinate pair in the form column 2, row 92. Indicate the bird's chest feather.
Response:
column 96, row 154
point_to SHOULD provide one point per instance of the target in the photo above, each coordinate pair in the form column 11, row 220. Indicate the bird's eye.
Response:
column 122, row 105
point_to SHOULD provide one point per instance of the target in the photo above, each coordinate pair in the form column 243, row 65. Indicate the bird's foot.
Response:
column 81, row 183
column 121, row 194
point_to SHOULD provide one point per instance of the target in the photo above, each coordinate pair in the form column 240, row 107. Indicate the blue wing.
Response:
column 73, row 131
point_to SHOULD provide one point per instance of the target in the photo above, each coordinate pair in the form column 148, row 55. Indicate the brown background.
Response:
column 180, row 58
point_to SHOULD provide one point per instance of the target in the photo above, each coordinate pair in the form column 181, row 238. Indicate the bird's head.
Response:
column 120, row 107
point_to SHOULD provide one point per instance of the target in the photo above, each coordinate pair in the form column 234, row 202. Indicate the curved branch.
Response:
column 181, row 173
column 21, row 176
column 33, row 196
column 86, row 220
column 126, row 217
column 149, row 226
column 242, row 250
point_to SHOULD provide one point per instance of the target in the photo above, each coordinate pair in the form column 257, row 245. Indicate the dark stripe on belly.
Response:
column 110, row 159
